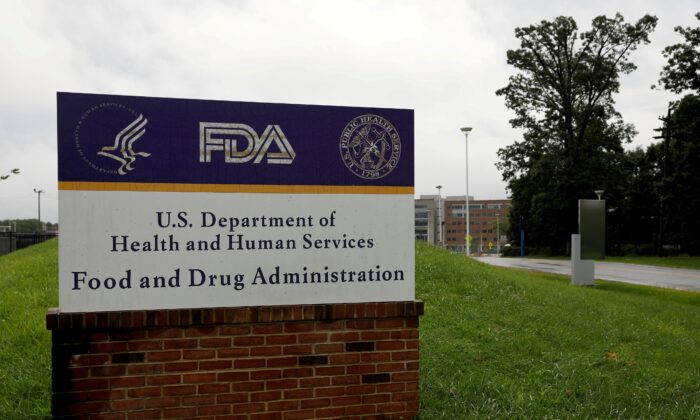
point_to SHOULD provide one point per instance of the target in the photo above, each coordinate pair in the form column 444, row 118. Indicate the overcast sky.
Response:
column 444, row 59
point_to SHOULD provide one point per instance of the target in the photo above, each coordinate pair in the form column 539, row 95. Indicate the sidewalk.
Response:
column 670, row 278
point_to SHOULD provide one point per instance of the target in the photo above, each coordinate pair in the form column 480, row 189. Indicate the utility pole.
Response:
column 666, row 136
column 38, row 194
column 522, row 237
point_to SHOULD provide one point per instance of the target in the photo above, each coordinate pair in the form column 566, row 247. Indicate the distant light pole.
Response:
column 522, row 237
column 441, row 238
column 466, row 131
column 38, row 195
column 498, row 234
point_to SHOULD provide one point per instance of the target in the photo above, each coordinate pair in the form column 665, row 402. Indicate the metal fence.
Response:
column 12, row 241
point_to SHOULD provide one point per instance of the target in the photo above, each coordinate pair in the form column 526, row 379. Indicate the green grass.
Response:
column 507, row 343
column 27, row 288
column 494, row 342
column 675, row 262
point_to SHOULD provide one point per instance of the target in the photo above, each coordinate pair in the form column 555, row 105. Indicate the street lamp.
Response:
column 466, row 131
column 599, row 193
column 498, row 234
column 440, row 238
column 38, row 195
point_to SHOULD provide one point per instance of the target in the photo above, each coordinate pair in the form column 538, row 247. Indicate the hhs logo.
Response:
column 240, row 143
column 110, row 130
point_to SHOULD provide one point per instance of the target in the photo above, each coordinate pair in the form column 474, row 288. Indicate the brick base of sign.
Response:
column 284, row 362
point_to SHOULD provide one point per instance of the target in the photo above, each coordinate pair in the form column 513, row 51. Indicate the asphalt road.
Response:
column 670, row 278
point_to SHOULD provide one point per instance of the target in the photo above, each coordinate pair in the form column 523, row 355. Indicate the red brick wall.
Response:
column 284, row 362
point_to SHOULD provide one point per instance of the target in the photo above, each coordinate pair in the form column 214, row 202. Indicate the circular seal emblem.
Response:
column 105, row 137
column 370, row 146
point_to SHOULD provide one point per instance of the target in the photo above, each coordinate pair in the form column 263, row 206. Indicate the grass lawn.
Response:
column 504, row 343
column 494, row 342
column 27, row 288
column 676, row 262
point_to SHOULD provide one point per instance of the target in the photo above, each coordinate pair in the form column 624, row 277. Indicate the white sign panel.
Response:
column 169, row 203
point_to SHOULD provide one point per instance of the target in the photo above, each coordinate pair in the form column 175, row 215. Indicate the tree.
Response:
column 681, row 188
column 682, row 70
column 12, row 172
column 572, row 134
column 502, row 226
column 678, row 183
column 635, row 218
column 27, row 225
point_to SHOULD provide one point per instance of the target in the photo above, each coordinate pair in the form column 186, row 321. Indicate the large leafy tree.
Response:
column 562, row 97
column 682, row 70
column 678, row 186
column 681, row 187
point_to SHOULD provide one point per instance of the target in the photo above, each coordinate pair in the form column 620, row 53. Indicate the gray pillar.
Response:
column 582, row 271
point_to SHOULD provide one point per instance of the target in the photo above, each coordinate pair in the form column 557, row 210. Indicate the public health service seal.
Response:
column 370, row 146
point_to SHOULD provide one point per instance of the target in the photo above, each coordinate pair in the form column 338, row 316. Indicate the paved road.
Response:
column 670, row 278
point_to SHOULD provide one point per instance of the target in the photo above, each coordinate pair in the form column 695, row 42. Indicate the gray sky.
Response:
column 445, row 59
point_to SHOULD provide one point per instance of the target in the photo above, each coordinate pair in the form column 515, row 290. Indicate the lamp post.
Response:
column 498, row 234
column 466, row 131
column 38, row 194
column 440, row 239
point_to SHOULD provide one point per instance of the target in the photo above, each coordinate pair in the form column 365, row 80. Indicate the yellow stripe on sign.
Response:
column 231, row 188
